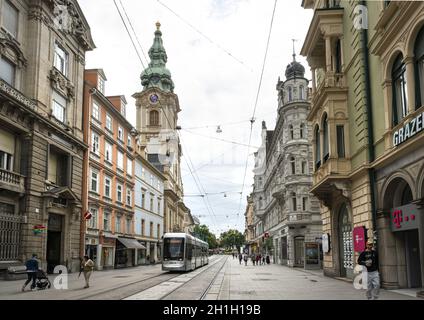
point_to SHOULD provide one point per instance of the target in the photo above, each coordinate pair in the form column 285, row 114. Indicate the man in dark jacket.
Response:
column 369, row 259
column 32, row 269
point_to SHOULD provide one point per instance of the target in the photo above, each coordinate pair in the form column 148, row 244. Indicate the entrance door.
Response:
column 284, row 250
column 413, row 259
column 54, row 242
column 345, row 244
column 299, row 251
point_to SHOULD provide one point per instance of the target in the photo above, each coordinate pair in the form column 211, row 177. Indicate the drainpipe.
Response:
column 371, row 149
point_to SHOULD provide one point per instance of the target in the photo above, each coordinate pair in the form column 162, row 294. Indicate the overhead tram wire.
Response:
column 204, row 36
column 219, row 139
column 141, row 61
column 135, row 34
column 129, row 34
column 257, row 99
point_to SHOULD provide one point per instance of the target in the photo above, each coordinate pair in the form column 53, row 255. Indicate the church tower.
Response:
column 157, row 115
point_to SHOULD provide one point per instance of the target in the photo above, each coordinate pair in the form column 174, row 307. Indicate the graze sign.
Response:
column 409, row 130
column 359, row 239
column 404, row 218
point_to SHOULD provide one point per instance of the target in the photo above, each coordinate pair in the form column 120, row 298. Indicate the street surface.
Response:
column 223, row 279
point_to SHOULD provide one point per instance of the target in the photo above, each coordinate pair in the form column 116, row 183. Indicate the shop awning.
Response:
column 131, row 243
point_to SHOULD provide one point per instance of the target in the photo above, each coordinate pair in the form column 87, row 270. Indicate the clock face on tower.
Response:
column 154, row 98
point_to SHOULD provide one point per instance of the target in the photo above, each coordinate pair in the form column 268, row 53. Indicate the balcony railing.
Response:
column 299, row 218
column 12, row 181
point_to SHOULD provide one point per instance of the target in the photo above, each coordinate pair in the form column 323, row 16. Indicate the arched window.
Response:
column 293, row 165
column 291, row 132
column 304, row 164
column 317, row 148
column 400, row 99
column 290, row 91
column 154, row 118
column 325, row 138
column 302, row 131
column 301, row 92
column 294, row 201
column 419, row 58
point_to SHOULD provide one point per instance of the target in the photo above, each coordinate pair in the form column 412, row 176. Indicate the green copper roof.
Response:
column 157, row 75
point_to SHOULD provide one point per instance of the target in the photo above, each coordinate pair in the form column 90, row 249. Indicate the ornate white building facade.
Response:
column 287, row 218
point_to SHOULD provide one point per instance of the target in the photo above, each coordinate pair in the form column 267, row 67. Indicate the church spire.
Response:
column 157, row 75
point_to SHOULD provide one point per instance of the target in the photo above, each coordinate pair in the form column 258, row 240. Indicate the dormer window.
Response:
column 60, row 59
column 10, row 18
column 123, row 108
column 101, row 85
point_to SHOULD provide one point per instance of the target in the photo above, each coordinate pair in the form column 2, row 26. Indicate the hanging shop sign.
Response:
column 312, row 253
column 39, row 229
column 404, row 218
column 359, row 239
column 409, row 129
column 326, row 242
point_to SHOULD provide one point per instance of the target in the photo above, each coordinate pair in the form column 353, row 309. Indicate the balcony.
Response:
column 298, row 218
column 12, row 181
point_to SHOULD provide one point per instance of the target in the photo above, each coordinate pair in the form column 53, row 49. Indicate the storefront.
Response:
column 108, row 253
column 141, row 253
column 125, row 254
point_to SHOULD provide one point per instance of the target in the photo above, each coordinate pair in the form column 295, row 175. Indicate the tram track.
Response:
column 205, row 293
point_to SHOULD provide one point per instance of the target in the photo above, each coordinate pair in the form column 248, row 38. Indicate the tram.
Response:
column 183, row 252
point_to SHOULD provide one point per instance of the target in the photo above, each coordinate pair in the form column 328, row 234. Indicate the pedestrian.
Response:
column 252, row 256
column 245, row 259
column 87, row 268
column 268, row 261
column 258, row 259
column 263, row 260
column 31, row 269
column 369, row 259
column 240, row 257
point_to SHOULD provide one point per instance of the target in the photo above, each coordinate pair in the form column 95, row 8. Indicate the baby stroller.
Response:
column 43, row 281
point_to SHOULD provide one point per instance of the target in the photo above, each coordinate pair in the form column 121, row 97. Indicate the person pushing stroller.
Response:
column 31, row 269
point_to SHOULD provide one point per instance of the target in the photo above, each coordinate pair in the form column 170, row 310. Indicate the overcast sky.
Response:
column 216, row 75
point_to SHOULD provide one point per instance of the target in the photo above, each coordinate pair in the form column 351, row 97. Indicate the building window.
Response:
column 60, row 59
column 294, row 201
column 94, row 186
column 143, row 227
column 400, row 97
column 302, row 131
column 304, row 164
column 120, row 160
column 129, row 141
column 340, row 142
column 338, row 58
column 325, row 138
column 419, row 57
column 7, row 71
column 301, row 92
column 159, row 201
column 94, row 216
column 95, row 143
column 6, row 161
column 96, row 111
column 108, row 152
column 106, row 221
column 109, row 123
column 120, row 134
column 101, row 85
column 10, row 18
column 158, row 231
column 59, row 106
column 123, row 109
column 154, row 118
column 293, row 165
column 108, row 187
column 290, row 93
column 118, row 224
column 317, row 148
column 119, row 189
column 59, row 167
column 291, row 132
column 129, row 226
column 151, row 229
column 304, row 203
column 143, row 199
column 129, row 166
column 129, row 197
column 152, row 197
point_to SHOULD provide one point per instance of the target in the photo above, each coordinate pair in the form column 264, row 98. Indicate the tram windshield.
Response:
column 173, row 249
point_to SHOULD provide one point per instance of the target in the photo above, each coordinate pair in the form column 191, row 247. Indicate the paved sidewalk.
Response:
column 276, row 282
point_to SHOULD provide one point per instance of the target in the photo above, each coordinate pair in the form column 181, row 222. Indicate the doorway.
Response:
column 299, row 251
column 54, row 242
column 413, row 258
column 345, row 243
